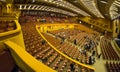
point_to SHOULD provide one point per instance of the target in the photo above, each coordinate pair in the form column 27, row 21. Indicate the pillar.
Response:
column 116, row 27
column 9, row 8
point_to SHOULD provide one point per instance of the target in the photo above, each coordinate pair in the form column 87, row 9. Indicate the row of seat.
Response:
column 40, row 49
column 113, row 66
column 78, row 37
column 65, row 33
column 107, row 50
column 67, row 49
column 7, row 26
column 45, row 19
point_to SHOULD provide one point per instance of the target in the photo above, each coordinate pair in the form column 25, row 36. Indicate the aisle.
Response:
column 99, row 65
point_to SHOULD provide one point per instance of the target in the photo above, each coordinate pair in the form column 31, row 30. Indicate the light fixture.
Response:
column 68, row 5
column 114, row 9
column 25, row 7
column 3, row 0
column 20, row 7
column 37, row 7
column 103, row 2
column 29, row 7
column 34, row 7
column 33, row 1
column 45, row 8
column 91, row 6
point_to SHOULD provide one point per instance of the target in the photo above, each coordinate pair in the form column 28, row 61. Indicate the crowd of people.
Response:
column 87, row 48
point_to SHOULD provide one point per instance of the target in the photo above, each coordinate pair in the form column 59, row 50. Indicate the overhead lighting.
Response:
column 117, row 3
column 25, row 7
column 37, row 7
column 3, row 0
column 106, row 14
column 68, row 5
column 29, row 6
column 50, row 0
column 114, row 10
column 33, row 1
column 46, row 8
column 103, row 2
column 91, row 6
column 34, row 7
column 20, row 7
column 75, row 1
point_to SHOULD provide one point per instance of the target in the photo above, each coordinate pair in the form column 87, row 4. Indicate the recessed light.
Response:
column 103, row 2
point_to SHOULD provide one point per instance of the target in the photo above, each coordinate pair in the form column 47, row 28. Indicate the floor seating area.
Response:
column 79, row 38
column 67, row 48
column 64, row 41
column 40, row 49
column 7, row 26
column 109, row 54
column 113, row 66
column 66, row 33
column 70, row 35
column 107, row 49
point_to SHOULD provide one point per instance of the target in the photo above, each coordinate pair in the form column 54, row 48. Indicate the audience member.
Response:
column 75, row 42
column 91, row 60
column 43, row 42
column 93, row 53
column 72, row 67
column 99, row 55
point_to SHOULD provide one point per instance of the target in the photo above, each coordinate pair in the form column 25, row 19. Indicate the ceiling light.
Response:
column 103, row 2
column 50, row 0
column 91, row 6
column 37, row 7
column 25, row 7
column 68, row 5
column 33, row 7
column 46, row 8
column 33, row 1
column 20, row 7
column 29, row 6
column 75, row 1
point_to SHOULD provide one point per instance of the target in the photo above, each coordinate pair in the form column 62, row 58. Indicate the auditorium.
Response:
column 59, row 35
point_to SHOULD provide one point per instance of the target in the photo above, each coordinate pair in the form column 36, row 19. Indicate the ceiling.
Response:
column 109, row 9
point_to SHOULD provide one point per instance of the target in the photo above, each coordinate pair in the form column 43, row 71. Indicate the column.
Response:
column 116, row 27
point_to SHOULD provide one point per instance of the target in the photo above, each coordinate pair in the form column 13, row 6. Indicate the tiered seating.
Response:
column 67, row 48
column 113, row 66
column 81, row 37
column 38, row 48
column 66, row 33
column 53, row 19
column 7, row 26
column 45, row 17
column 107, row 50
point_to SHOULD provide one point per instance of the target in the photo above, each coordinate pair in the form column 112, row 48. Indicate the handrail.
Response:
column 115, row 44
column 25, row 61
column 62, row 53
column 18, row 29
